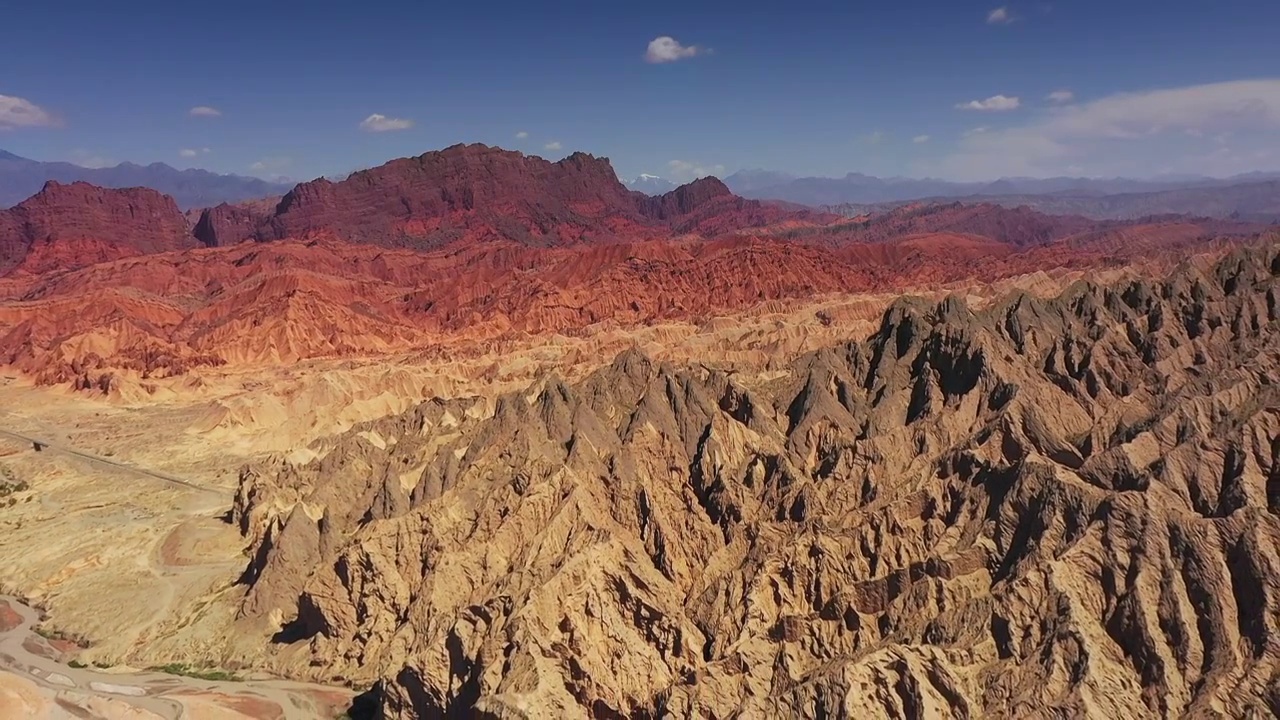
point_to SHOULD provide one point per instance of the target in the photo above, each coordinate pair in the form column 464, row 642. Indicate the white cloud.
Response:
column 667, row 49
column 976, row 131
column 271, row 164
column 874, row 138
column 1061, row 96
column 204, row 111
column 381, row 123
column 522, row 135
column 16, row 112
column 188, row 153
column 684, row 171
column 1137, row 133
column 553, row 145
column 85, row 158
column 995, row 103
column 1000, row 16
column 920, row 139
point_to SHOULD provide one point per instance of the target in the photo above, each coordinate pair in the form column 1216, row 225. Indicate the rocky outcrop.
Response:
column 436, row 198
column 1044, row 507
column 64, row 227
column 229, row 224
column 482, row 193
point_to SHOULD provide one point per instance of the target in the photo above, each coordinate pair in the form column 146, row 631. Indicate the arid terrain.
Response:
column 475, row 434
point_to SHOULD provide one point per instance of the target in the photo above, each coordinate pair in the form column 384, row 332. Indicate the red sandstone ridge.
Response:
column 482, row 193
column 284, row 301
column 70, row 226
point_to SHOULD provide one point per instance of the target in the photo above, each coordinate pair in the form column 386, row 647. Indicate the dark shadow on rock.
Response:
column 367, row 705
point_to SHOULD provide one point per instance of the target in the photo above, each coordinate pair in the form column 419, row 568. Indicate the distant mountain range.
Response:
column 859, row 189
column 1246, row 201
column 21, row 178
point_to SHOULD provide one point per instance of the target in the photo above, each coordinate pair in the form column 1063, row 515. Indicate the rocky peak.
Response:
column 228, row 224
column 110, row 222
column 434, row 198
column 685, row 199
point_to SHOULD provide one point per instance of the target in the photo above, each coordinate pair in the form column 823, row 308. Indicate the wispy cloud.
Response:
column 381, row 123
column 1061, row 96
column 204, row 111
column 190, row 152
column 88, row 159
column 1131, row 133
column 1000, row 16
column 16, row 112
column 271, row 164
column 995, row 103
column 522, row 135
column 553, row 145
column 920, row 139
column 685, row 171
column 667, row 49
column 874, row 138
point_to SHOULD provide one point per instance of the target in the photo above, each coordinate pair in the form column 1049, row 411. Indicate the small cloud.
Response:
column 995, row 103
column 667, row 49
column 272, row 164
column 87, row 159
column 1128, row 132
column 874, row 138
column 205, row 150
column 1000, row 16
column 685, row 171
column 1061, row 96
column 920, row 139
column 16, row 112
column 553, row 145
column 976, row 131
column 381, row 123
column 204, row 111
column 522, row 135
column 188, row 153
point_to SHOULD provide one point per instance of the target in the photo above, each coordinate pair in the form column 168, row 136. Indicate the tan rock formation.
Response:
column 1038, row 509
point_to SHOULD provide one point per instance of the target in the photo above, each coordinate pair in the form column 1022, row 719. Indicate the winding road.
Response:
column 47, row 446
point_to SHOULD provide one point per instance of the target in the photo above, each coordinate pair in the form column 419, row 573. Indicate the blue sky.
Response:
column 947, row 88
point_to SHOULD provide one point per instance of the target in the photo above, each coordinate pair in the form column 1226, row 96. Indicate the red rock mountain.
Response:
column 70, row 226
column 479, row 192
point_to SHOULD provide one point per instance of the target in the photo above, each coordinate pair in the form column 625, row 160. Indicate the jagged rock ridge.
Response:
column 482, row 192
column 1044, row 508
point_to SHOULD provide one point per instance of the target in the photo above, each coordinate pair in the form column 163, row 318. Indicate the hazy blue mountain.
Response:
column 20, row 178
column 1248, row 201
column 859, row 189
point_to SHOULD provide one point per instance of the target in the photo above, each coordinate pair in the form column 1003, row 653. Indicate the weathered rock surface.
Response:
column 229, row 224
column 1040, row 509
column 64, row 227
column 479, row 193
